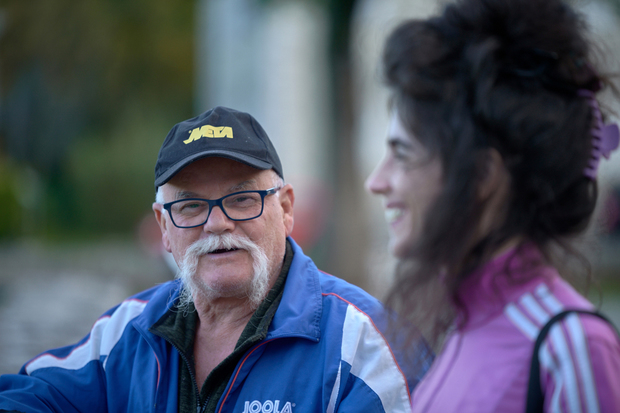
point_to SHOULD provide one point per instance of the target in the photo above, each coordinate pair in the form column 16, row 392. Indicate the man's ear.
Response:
column 287, row 201
column 159, row 211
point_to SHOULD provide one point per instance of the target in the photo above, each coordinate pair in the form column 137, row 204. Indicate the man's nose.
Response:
column 218, row 222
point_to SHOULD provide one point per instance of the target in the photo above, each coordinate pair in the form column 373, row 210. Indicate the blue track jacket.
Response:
column 324, row 352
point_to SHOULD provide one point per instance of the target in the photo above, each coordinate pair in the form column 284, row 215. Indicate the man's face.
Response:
column 228, row 273
column 409, row 181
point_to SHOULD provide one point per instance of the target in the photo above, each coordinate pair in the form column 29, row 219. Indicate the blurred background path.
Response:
column 51, row 296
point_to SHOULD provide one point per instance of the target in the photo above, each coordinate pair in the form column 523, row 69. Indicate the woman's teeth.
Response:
column 392, row 214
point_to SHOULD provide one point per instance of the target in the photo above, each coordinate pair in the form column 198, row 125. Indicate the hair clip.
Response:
column 605, row 138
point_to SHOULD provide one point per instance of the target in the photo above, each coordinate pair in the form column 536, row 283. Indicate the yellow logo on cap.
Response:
column 208, row 131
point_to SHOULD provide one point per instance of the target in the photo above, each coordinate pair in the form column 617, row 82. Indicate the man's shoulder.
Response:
column 331, row 287
column 351, row 302
column 149, row 304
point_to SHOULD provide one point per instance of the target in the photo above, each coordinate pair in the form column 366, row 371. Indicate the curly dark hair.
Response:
column 501, row 75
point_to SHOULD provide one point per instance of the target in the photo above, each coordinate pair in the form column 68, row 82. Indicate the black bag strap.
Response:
column 535, row 400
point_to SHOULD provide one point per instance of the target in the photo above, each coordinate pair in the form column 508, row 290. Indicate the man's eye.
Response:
column 242, row 201
column 245, row 200
column 191, row 206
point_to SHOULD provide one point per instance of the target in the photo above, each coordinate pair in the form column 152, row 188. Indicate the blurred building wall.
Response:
column 270, row 59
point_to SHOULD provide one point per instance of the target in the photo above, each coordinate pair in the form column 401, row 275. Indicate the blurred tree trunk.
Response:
column 346, row 257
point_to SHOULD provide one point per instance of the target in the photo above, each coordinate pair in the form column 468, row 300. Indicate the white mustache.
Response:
column 219, row 242
column 213, row 242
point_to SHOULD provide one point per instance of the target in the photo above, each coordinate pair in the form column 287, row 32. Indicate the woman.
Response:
column 491, row 167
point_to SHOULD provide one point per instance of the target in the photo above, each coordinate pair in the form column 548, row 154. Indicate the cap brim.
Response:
column 248, row 160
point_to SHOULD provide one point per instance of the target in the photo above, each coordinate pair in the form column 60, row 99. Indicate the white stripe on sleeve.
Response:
column 520, row 320
column 575, row 375
column 586, row 376
column 103, row 337
column 331, row 406
column 567, row 368
column 371, row 359
column 531, row 330
column 532, row 306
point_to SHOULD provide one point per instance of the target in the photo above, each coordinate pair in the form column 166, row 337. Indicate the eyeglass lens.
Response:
column 247, row 205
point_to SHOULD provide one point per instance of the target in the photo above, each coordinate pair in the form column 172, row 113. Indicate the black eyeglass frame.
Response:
column 218, row 202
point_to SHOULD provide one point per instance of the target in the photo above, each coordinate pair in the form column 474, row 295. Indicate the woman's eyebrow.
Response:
column 397, row 141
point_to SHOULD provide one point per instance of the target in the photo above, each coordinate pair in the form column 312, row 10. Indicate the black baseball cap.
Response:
column 221, row 132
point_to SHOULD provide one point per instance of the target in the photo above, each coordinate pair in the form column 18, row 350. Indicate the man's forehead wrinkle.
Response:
column 245, row 185
column 249, row 184
column 182, row 194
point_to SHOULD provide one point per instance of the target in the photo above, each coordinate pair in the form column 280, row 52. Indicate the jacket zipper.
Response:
column 194, row 381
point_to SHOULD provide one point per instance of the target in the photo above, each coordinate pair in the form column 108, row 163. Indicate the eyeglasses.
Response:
column 238, row 206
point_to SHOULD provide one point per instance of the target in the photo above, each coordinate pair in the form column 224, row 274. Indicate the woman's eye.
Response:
column 402, row 155
column 400, row 152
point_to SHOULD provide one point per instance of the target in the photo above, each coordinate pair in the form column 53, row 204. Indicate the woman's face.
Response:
column 409, row 181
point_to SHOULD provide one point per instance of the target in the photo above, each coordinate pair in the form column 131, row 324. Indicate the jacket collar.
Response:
column 300, row 310
column 486, row 292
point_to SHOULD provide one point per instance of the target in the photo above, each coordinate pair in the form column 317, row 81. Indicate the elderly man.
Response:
column 250, row 325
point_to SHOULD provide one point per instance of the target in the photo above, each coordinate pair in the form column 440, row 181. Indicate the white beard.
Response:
column 193, row 285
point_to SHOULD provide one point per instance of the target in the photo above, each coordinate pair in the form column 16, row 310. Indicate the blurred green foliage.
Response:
column 88, row 91
column 113, row 179
column 10, row 210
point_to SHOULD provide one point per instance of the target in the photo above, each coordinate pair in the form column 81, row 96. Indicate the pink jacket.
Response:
column 484, row 365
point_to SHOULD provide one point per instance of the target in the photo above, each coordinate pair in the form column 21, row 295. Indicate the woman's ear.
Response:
column 493, row 192
column 494, row 179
